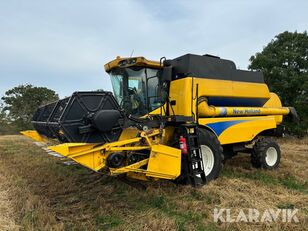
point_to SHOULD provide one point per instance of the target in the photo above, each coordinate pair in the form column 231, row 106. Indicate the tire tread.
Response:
column 259, row 152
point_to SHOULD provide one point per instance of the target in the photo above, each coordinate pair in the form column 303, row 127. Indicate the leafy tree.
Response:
column 284, row 62
column 6, row 126
column 2, row 113
column 22, row 101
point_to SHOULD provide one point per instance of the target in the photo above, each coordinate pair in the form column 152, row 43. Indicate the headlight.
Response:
column 127, row 62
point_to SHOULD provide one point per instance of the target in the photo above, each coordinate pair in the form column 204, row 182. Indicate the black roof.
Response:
column 211, row 67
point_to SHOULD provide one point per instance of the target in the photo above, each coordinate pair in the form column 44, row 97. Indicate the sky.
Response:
column 63, row 44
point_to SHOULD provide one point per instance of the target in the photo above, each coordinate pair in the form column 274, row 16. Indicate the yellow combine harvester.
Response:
column 175, row 119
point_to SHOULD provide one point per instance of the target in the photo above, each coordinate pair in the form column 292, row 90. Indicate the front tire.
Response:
column 212, row 154
column 266, row 154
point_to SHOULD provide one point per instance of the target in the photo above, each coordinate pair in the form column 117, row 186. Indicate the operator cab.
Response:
column 137, row 85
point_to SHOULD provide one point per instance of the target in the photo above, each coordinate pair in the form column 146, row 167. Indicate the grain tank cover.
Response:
column 211, row 67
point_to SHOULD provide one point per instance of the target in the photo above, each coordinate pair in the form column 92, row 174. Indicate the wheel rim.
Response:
column 207, row 158
column 271, row 156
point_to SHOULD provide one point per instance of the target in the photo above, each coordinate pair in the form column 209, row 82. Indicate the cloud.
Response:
column 64, row 44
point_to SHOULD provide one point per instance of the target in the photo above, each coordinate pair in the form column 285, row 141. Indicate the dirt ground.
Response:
column 39, row 192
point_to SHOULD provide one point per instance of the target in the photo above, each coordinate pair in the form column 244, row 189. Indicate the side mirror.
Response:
column 167, row 74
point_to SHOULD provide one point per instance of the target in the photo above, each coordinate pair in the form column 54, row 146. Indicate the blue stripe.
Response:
column 219, row 127
column 239, row 102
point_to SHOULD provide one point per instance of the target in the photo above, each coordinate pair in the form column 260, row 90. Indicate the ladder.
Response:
column 195, row 170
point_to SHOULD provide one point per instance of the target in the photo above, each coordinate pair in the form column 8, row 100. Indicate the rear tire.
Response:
column 266, row 154
column 212, row 154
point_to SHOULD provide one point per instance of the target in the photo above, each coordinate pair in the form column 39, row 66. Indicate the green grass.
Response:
column 291, row 183
column 20, row 182
column 207, row 198
column 168, row 207
column 106, row 222
column 286, row 206
column 30, row 217
column 260, row 175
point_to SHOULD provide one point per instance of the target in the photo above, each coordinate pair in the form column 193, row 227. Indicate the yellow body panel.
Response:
column 238, row 129
column 128, row 133
column 94, row 156
column 130, row 168
column 181, row 92
column 225, row 88
column 164, row 162
column 83, row 153
column 33, row 135
column 170, row 169
column 274, row 101
column 238, row 124
column 159, row 111
column 132, row 61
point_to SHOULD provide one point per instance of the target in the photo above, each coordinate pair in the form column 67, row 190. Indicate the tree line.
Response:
column 284, row 63
column 19, row 105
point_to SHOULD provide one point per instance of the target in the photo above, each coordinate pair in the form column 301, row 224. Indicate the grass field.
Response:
column 39, row 192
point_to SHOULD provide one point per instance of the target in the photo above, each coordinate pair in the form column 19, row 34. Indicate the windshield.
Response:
column 137, row 89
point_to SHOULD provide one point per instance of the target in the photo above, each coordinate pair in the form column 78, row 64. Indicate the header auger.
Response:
column 173, row 119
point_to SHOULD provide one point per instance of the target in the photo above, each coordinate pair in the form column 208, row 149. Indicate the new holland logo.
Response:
column 246, row 111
